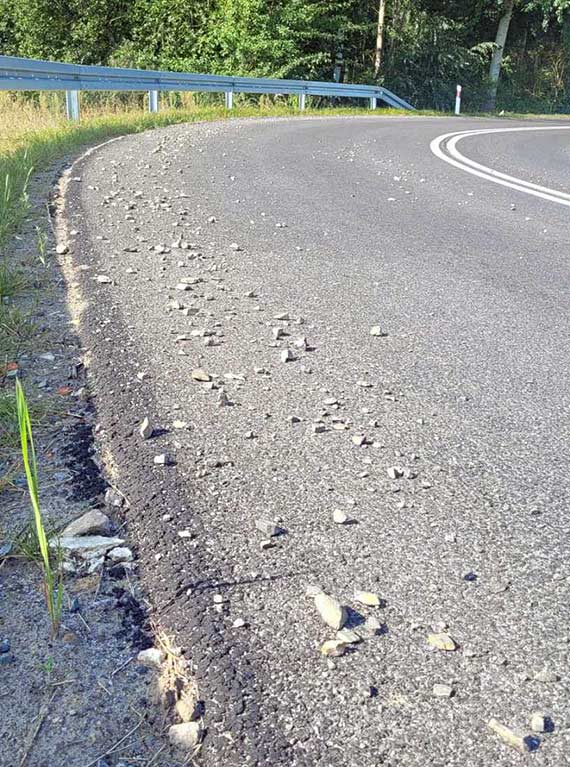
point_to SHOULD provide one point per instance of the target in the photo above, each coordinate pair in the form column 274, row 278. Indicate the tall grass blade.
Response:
column 54, row 601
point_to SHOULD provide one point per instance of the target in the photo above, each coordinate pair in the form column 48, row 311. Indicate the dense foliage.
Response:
column 423, row 49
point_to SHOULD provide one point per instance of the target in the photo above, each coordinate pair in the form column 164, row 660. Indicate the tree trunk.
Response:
column 379, row 37
column 497, row 57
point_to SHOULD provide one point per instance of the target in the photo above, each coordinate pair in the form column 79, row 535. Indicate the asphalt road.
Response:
column 343, row 224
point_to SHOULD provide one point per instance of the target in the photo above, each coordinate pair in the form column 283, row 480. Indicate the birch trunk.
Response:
column 379, row 37
column 497, row 57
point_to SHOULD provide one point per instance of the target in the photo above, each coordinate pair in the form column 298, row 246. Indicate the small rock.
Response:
column 239, row 623
column 6, row 659
column 163, row 459
column 188, row 708
column 186, row 735
column 367, row 598
column 546, row 676
column 266, row 544
column 103, row 279
column 277, row 333
column 442, row 691
column 319, row 428
column 376, row 330
column 145, row 429
column 120, row 554
column 333, row 648
column 200, row 375
column 540, row 722
column 4, row 646
column 179, row 424
column 331, row 611
column 223, row 399
column 114, row 498
column 511, row 738
column 442, row 641
column 339, row 517
column 152, row 657
column 287, row 355
column 91, row 523
column 267, row 527
column 61, row 249
column 348, row 636
column 359, row 440
column 86, row 546
column 395, row 472
column 370, row 628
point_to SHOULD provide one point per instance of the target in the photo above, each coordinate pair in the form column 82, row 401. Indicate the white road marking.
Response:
column 445, row 147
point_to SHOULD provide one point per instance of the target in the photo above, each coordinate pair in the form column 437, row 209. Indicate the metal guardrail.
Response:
column 18, row 74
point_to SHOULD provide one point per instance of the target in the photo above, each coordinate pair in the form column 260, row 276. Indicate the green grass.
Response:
column 53, row 576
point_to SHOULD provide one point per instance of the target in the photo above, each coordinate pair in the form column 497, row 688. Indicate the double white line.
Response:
column 445, row 147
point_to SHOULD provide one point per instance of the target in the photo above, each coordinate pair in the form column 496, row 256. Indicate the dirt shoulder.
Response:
column 81, row 699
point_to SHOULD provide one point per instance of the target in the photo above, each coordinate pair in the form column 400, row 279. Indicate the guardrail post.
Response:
column 373, row 102
column 153, row 101
column 302, row 101
column 72, row 105
column 229, row 99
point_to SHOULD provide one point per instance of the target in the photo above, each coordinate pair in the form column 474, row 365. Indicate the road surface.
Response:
column 207, row 234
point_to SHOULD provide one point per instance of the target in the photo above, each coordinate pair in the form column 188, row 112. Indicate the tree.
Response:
column 379, row 37
column 507, row 7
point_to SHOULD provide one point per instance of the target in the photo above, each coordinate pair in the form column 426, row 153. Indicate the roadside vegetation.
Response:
column 507, row 54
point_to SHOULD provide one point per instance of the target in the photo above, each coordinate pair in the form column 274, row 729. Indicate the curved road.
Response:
column 342, row 224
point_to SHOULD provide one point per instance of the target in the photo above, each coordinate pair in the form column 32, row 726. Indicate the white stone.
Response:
column 145, row 429
column 186, row 735
column 120, row 554
column 152, row 657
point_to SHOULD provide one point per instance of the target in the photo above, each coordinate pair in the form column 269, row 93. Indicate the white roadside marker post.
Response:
column 229, row 99
column 302, row 101
column 458, row 100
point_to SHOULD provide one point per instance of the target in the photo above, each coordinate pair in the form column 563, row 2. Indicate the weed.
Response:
column 17, row 329
column 53, row 577
column 12, row 282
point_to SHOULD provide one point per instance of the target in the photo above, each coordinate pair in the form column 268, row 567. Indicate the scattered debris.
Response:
column 442, row 641
column 520, row 742
column 267, row 527
column 186, row 735
column 334, row 648
column 145, row 429
column 152, row 657
column 367, row 598
column 339, row 517
column 331, row 611
column 540, row 722
column 442, row 691
column 200, row 375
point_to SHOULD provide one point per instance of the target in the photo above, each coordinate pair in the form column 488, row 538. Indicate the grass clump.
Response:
column 52, row 575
